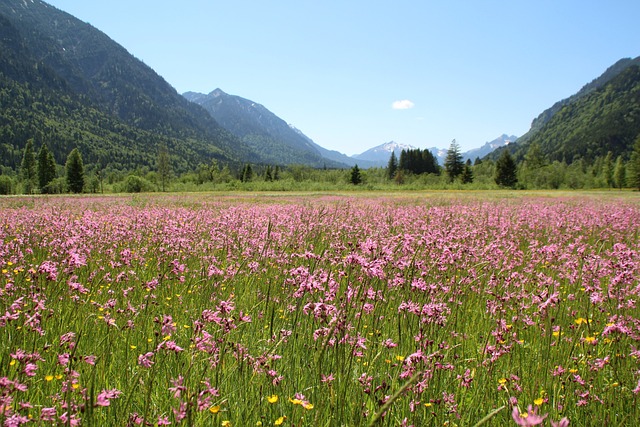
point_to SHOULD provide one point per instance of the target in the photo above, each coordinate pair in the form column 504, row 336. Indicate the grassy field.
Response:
column 321, row 309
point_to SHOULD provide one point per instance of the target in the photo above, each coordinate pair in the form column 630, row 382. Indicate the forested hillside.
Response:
column 64, row 82
column 605, row 120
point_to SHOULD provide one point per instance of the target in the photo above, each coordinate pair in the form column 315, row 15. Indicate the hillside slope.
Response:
column 264, row 132
column 68, row 84
column 544, row 117
column 606, row 119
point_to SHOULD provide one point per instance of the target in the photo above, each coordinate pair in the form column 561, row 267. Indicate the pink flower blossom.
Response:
column 562, row 423
column 106, row 395
column 529, row 418
column 145, row 360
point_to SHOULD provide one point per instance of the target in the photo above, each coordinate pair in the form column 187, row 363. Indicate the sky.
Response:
column 354, row 74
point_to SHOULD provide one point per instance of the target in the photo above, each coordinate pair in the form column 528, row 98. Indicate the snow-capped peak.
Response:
column 394, row 146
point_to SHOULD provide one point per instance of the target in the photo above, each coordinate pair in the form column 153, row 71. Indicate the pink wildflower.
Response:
column 15, row 420
column 48, row 414
column 63, row 359
column 328, row 379
column 529, row 418
column 145, row 361
column 30, row 369
column 106, row 395
column 163, row 421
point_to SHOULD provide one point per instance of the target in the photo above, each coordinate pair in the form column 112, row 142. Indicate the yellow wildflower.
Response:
column 272, row 398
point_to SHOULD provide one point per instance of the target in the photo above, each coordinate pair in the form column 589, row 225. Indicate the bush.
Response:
column 136, row 184
column 57, row 186
column 6, row 184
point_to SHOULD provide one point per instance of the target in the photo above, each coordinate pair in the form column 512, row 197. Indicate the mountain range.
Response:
column 68, row 84
column 65, row 83
column 380, row 154
column 266, row 134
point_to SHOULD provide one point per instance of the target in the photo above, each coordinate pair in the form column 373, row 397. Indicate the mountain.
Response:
column 67, row 83
column 597, row 83
column 607, row 119
column 489, row 147
column 439, row 153
column 379, row 155
column 334, row 155
column 265, row 133
column 602, row 117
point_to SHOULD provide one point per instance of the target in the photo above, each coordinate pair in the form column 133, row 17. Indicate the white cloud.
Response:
column 405, row 104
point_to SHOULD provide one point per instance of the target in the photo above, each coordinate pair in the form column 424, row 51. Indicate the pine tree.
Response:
column 356, row 177
column 534, row 158
column 453, row 165
column 619, row 173
column 607, row 169
column 634, row 165
column 392, row 166
column 268, row 176
column 164, row 166
column 46, row 168
column 506, row 170
column 467, row 175
column 75, row 171
column 28, row 168
column 247, row 173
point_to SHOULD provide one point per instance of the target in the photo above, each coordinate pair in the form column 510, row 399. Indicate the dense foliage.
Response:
column 417, row 161
column 75, row 172
column 506, row 171
column 46, row 169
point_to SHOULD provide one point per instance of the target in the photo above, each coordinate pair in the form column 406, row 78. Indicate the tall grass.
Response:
column 319, row 311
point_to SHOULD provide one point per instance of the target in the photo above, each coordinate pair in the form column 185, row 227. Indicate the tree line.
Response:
column 38, row 172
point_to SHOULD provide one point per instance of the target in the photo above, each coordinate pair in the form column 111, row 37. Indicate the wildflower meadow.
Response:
column 320, row 310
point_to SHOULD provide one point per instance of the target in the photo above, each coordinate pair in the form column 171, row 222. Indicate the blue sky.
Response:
column 353, row 74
